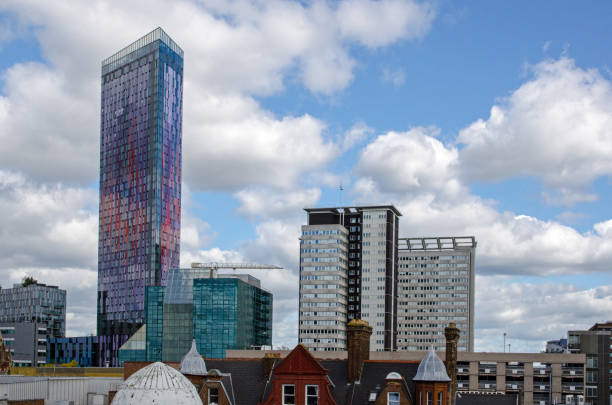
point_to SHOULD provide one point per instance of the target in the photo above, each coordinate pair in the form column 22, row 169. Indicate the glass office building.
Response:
column 140, row 182
column 230, row 311
column 82, row 349
column 230, row 314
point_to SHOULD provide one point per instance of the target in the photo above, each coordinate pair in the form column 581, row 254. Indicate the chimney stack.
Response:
column 452, row 337
column 358, row 334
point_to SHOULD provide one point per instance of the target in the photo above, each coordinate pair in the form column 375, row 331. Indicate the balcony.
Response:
column 541, row 371
column 573, row 371
column 515, row 371
column 463, row 370
column 487, row 386
column 537, row 387
column 514, row 386
column 487, row 370
column 577, row 388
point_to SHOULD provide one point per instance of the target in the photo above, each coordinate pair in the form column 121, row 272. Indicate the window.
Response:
column 429, row 398
column 213, row 396
column 440, row 398
column 288, row 394
column 312, row 394
column 393, row 398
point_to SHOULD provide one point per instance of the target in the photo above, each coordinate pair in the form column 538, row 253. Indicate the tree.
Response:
column 28, row 280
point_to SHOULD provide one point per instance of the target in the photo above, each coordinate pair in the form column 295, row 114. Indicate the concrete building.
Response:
column 595, row 345
column 348, row 263
column 30, row 313
column 436, row 287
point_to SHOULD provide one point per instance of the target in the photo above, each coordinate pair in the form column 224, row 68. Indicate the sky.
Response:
column 491, row 119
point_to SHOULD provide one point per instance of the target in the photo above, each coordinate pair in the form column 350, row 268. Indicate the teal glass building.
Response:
column 225, row 312
column 229, row 313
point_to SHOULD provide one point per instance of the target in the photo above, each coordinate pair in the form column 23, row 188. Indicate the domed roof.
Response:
column 157, row 383
column 393, row 376
column 431, row 368
column 193, row 363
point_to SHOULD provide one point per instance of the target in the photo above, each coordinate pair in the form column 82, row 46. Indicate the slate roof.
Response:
column 338, row 375
column 489, row 398
column 373, row 379
column 247, row 378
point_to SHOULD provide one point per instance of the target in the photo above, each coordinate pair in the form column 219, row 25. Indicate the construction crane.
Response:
column 214, row 266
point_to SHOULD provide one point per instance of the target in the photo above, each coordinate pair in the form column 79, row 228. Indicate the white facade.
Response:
column 374, row 275
column 436, row 287
column 323, row 287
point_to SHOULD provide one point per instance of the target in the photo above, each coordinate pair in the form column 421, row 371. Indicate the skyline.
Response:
column 469, row 124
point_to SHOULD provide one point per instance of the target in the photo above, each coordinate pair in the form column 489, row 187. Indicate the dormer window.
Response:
column 288, row 394
column 393, row 398
column 312, row 395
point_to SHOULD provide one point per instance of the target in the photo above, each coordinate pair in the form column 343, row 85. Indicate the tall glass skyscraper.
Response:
column 140, row 182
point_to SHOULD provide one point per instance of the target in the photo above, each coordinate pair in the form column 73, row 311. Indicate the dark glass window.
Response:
column 213, row 396
column 312, row 395
column 288, row 394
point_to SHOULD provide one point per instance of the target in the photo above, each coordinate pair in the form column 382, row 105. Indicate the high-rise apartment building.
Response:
column 436, row 287
column 348, row 270
column 140, row 182
column 30, row 313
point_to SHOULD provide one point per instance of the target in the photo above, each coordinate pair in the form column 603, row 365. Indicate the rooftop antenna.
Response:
column 340, row 190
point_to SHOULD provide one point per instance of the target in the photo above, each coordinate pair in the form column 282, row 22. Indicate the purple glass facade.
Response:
column 140, row 182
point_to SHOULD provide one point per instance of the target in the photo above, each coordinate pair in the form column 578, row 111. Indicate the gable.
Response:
column 299, row 361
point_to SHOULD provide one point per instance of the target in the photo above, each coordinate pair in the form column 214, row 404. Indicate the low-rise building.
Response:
column 83, row 350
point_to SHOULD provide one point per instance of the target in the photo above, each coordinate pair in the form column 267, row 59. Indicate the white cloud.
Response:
column 46, row 226
column 269, row 203
column 230, row 143
column 419, row 175
column 233, row 50
column 358, row 133
column 395, row 77
column 532, row 313
column 46, row 129
column 556, row 126
column 378, row 23
column 408, row 162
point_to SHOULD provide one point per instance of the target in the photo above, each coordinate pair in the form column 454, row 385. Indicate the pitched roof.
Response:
column 337, row 372
column 247, row 378
column 373, row 379
column 299, row 359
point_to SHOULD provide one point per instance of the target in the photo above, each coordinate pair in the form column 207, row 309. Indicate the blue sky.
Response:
column 484, row 118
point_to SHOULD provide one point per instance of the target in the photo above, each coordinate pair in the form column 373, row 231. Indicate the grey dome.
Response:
column 157, row 383
column 431, row 368
column 393, row 376
column 193, row 363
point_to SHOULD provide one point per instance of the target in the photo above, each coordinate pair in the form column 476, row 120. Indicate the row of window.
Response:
column 323, row 232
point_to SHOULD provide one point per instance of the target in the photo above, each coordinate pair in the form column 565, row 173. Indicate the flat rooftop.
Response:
column 353, row 209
